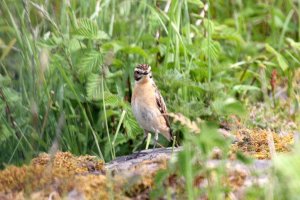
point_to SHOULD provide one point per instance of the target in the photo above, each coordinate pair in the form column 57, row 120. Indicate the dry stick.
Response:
column 167, row 7
column 55, row 145
column 271, row 144
column 202, row 15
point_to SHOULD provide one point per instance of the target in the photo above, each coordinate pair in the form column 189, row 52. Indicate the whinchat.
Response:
column 148, row 105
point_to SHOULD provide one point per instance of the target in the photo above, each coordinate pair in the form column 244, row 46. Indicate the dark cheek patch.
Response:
column 137, row 77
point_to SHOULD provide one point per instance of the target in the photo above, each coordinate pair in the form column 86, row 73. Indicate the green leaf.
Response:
column 87, row 29
column 89, row 62
column 287, row 168
column 93, row 87
column 228, row 106
column 101, row 35
column 158, row 189
column 280, row 59
column 5, row 80
column 75, row 45
column 295, row 45
column 5, row 133
column 12, row 96
column 210, row 138
column 51, row 42
column 131, row 125
column 211, row 48
column 196, row 2
column 135, row 50
column 121, row 139
column 242, row 88
column 226, row 33
column 243, row 158
column 112, row 99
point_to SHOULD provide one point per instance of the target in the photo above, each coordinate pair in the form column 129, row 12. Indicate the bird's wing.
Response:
column 162, row 107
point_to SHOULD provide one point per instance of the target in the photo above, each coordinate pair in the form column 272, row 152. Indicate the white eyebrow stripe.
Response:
column 138, row 69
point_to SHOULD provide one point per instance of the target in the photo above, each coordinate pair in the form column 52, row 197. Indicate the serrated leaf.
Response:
column 87, row 29
column 227, row 33
column 94, row 87
column 131, row 125
column 211, row 48
column 75, row 45
column 89, row 62
column 112, row 99
column 101, row 35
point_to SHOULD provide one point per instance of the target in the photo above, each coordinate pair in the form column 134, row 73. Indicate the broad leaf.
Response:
column 89, row 62
column 87, row 29
column 94, row 87
column 280, row 59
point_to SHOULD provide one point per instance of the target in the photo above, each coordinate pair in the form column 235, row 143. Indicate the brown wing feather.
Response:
column 162, row 108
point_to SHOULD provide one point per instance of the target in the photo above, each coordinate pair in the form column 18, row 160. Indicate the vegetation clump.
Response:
column 256, row 142
column 47, row 173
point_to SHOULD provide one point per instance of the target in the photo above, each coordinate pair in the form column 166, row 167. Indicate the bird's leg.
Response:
column 155, row 139
column 174, row 141
column 143, row 142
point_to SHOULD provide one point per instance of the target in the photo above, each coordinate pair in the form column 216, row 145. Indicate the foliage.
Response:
column 66, row 71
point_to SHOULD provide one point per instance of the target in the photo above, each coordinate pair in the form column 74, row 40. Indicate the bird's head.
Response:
column 142, row 72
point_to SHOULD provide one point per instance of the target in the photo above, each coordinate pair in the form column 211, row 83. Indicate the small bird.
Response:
column 148, row 105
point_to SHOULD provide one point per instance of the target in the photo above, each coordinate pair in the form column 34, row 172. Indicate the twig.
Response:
column 271, row 144
column 167, row 7
column 9, row 114
column 202, row 15
column 59, row 127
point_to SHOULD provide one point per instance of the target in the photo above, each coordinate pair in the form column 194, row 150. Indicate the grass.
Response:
column 75, row 59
